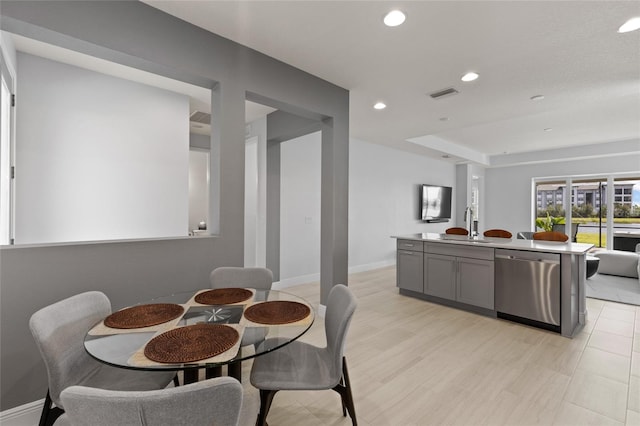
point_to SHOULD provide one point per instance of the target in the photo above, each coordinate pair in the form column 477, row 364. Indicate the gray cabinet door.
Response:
column 475, row 282
column 409, row 270
column 440, row 276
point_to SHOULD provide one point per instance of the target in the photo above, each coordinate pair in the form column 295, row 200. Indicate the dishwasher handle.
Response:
column 522, row 259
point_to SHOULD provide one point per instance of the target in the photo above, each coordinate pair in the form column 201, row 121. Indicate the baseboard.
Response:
column 371, row 266
column 321, row 310
column 293, row 281
column 23, row 415
column 306, row 279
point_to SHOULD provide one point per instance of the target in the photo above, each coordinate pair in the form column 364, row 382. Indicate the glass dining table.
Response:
column 205, row 331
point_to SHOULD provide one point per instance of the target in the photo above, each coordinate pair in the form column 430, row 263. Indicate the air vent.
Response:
column 200, row 117
column 443, row 93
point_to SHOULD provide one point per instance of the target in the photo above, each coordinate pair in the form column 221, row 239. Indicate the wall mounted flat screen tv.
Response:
column 435, row 203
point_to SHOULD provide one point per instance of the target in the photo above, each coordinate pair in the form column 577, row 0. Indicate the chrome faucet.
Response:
column 468, row 218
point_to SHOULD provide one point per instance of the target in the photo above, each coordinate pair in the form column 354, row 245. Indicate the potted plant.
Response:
column 546, row 223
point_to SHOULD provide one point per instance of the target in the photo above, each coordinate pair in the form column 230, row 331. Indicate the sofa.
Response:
column 618, row 277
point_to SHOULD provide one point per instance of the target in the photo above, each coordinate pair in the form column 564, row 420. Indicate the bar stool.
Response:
column 499, row 233
column 456, row 231
column 550, row 236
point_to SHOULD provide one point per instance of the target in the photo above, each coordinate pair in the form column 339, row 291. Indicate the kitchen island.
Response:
column 539, row 283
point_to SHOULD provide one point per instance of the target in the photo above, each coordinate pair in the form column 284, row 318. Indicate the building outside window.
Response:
column 589, row 206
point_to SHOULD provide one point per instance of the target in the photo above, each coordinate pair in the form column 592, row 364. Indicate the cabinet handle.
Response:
column 408, row 245
column 410, row 253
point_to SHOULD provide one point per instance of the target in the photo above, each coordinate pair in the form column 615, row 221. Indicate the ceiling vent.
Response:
column 200, row 117
column 444, row 93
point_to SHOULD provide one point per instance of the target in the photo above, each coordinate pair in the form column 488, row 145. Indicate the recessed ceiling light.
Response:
column 631, row 25
column 380, row 105
column 537, row 98
column 470, row 76
column 548, row 129
column 394, row 18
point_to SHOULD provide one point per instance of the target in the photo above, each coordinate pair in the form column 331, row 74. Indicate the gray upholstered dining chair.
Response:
column 234, row 277
column 209, row 402
column 301, row 366
column 59, row 330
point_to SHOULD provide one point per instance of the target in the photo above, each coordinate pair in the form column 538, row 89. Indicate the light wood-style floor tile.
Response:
column 635, row 364
column 614, row 326
column 570, row 414
column 595, row 304
column 415, row 363
column 622, row 306
column 616, row 313
column 633, row 418
column 603, row 395
column 610, row 342
column 634, row 394
column 607, row 364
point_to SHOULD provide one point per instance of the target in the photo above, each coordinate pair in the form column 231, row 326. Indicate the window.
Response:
column 587, row 212
column 590, row 209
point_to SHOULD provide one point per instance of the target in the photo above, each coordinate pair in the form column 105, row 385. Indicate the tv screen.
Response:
column 435, row 202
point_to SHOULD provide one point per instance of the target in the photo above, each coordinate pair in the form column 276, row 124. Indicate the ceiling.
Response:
column 568, row 51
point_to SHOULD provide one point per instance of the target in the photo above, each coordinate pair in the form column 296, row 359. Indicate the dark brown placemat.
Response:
column 144, row 315
column 277, row 312
column 191, row 343
column 223, row 296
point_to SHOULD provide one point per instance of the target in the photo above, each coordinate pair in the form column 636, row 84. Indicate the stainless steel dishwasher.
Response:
column 527, row 287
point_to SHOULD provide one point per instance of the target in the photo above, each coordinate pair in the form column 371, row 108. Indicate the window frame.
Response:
column 609, row 180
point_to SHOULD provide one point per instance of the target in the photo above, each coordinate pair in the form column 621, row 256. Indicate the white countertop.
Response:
column 501, row 243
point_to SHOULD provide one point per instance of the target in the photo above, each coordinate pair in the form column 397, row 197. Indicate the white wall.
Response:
column 198, row 187
column 509, row 192
column 258, row 129
column 8, row 51
column 105, row 158
column 300, row 206
column 383, row 200
column 250, row 201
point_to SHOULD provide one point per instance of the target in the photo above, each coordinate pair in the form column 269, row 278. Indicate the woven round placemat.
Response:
column 277, row 312
column 223, row 296
column 144, row 315
column 191, row 343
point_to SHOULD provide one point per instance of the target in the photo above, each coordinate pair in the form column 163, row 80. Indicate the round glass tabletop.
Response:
column 126, row 347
